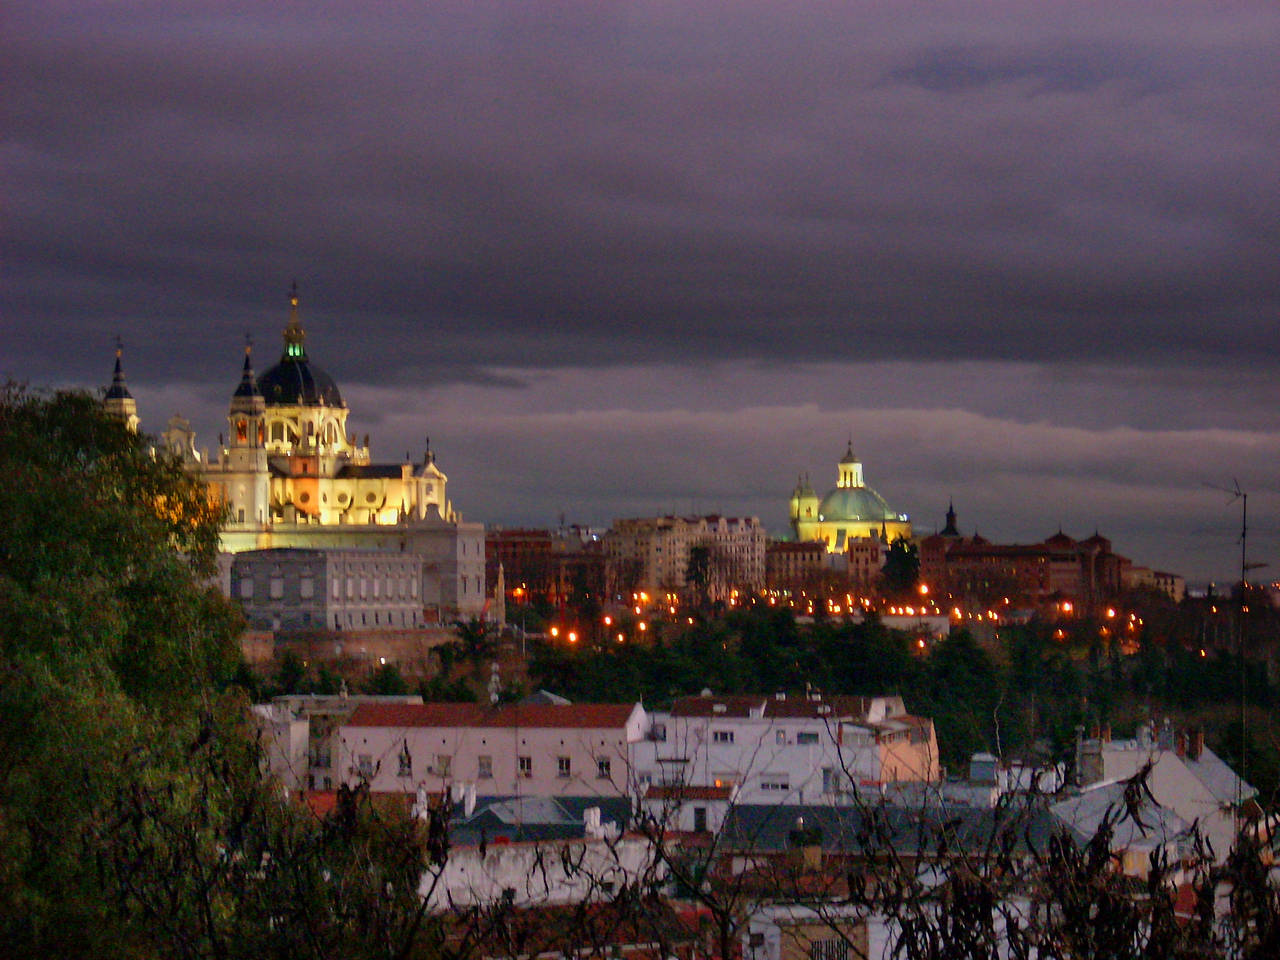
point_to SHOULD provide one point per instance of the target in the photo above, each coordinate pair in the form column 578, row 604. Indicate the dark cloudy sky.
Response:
column 625, row 257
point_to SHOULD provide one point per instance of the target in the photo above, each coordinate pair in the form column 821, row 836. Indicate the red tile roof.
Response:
column 320, row 802
column 571, row 715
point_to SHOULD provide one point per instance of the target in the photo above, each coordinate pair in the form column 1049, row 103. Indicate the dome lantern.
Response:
column 294, row 336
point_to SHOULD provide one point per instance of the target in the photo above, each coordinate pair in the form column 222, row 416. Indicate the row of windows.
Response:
column 281, row 431
column 442, row 766
column 803, row 738
column 395, row 587
column 405, row 588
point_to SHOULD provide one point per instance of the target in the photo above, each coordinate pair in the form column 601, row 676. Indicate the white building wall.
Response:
column 284, row 745
column 499, row 761
column 538, row 874
column 769, row 760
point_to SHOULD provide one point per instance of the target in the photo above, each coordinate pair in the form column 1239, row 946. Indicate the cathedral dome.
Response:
column 855, row 503
column 295, row 381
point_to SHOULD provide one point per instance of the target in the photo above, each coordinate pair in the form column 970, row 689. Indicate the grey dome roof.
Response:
column 294, row 380
column 855, row 503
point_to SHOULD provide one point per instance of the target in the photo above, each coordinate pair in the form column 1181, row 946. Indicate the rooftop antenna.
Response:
column 1245, row 566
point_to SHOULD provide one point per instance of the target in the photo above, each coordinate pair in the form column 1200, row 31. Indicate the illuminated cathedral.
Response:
column 850, row 511
column 292, row 476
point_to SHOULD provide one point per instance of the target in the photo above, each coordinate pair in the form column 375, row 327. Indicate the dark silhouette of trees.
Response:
column 476, row 639
column 901, row 571
column 698, row 573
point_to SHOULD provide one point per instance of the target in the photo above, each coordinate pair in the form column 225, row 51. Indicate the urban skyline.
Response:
column 624, row 260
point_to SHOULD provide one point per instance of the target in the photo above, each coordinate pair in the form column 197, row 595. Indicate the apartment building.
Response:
column 549, row 750
column 652, row 553
column 786, row 749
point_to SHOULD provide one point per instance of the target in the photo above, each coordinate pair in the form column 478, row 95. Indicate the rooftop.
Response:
column 780, row 706
column 575, row 715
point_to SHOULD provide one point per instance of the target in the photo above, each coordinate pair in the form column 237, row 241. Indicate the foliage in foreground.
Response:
column 132, row 813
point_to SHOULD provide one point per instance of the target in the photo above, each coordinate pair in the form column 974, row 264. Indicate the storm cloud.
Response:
column 620, row 257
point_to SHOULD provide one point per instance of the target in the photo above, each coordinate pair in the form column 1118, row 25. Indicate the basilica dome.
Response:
column 855, row 503
column 851, row 511
column 296, row 381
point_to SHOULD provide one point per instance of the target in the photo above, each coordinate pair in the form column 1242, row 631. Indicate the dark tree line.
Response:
column 1024, row 693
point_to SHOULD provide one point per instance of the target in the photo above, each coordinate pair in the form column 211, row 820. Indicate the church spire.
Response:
column 119, row 388
column 248, row 381
column 951, row 530
column 119, row 402
column 294, row 336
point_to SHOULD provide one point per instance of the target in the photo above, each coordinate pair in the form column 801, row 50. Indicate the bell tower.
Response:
column 247, row 481
column 119, row 402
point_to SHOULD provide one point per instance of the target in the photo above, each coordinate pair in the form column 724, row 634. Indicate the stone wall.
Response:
column 410, row 650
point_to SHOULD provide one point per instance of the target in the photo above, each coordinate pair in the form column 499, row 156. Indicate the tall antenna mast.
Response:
column 1242, row 617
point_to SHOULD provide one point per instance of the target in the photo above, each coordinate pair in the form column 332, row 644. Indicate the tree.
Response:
column 112, row 635
column 476, row 638
column 134, row 817
column 291, row 674
column 901, row 570
column 386, row 681
column 697, row 573
column 209, row 862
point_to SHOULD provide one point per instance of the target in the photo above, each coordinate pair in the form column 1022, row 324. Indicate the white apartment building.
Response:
column 548, row 750
column 652, row 553
column 786, row 749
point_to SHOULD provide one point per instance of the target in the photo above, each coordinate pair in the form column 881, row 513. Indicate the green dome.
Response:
column 855, row 503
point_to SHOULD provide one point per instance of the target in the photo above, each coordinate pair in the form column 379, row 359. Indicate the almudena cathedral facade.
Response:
column 319, row 536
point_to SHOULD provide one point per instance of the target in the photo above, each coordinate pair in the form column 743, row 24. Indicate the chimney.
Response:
column 1164, row 736
column 1195, row 743
column 1106, row 733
